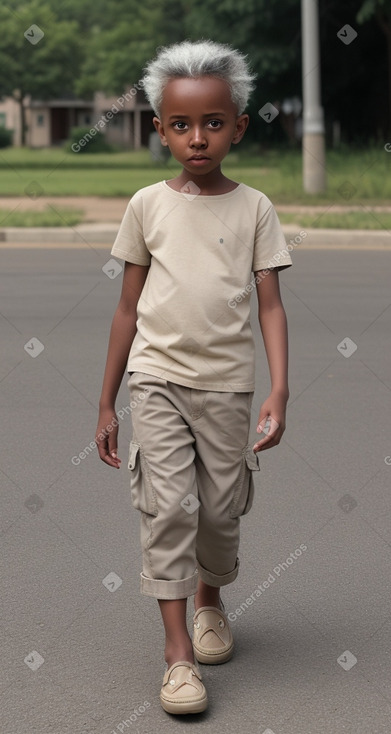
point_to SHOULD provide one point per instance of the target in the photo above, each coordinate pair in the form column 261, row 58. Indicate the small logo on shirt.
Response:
column 190, row 190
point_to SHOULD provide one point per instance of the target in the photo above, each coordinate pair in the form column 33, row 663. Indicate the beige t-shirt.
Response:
column 193, row 315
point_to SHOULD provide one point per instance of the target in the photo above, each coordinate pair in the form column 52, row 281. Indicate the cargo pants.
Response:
column 191, row 478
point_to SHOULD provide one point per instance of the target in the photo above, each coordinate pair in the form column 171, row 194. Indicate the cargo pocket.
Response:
column 244, row 491
column 141, row 490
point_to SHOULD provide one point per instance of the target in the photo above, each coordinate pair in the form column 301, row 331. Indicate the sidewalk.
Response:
column 102, row 217
column 103, row 234
column 112, row 208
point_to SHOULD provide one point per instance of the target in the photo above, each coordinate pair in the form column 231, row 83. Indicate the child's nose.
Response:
column 198, row 137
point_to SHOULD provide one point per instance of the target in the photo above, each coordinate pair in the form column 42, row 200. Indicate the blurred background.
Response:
column 92, row 47
column 69, row 86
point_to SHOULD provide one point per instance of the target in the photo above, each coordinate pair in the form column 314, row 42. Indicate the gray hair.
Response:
column 196, row 59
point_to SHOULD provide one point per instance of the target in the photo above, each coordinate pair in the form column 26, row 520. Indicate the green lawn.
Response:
column 341, row 220
column 353, row 177
column 50, row 217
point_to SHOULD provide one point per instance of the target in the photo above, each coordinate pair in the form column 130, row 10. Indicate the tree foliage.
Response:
column 92, row 45
column 45, row 69
column 380, row 10
column 120, row 45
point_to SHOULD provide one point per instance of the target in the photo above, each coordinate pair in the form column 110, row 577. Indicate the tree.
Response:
column 95, row 45
column 128, row 34
column 122, row 42
column 44, row 69
column 268, row 31
column 381, row 11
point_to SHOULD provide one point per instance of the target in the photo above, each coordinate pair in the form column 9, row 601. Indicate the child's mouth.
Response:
column 198, row 160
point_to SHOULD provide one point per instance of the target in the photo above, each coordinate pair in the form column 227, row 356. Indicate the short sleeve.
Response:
column 270, row 248
column 129, row 243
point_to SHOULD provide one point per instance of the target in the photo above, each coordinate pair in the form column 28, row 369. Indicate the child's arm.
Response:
column 123, row 330
column 272, row 320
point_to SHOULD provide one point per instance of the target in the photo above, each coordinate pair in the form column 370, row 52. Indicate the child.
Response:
column 190, row 245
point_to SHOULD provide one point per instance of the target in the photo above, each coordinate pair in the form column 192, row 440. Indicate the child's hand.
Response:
column 106, row 436
column 271, row 422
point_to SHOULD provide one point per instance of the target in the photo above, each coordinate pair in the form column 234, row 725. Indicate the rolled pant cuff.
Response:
column 161, row 589
column 212, row 579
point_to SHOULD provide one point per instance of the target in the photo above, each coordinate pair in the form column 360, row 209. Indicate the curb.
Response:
column 85, row 235
column 340, row 239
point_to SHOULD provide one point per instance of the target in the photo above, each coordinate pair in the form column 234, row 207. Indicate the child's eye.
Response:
column 215, row 124
column 179, row 125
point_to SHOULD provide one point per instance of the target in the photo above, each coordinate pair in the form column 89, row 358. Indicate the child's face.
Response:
column 198, row 118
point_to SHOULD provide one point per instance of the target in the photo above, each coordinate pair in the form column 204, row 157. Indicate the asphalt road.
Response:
column 82, row 650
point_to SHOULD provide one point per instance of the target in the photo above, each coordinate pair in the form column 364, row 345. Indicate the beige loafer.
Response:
column 212, row 640
column 183, row 691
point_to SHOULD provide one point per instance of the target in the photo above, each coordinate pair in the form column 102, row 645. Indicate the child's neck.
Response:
column 211, row 184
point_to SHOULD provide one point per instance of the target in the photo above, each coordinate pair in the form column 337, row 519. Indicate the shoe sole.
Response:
column 213, row 658
column 195, row 707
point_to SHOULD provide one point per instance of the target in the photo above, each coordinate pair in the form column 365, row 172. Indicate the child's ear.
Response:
column 241, row 127
column 159, row 128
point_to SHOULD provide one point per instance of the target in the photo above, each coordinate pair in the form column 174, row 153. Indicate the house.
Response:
column 125, row 121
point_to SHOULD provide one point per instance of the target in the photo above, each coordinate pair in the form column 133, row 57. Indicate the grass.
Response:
column 69, row 217
column 50, row 217
column 348, row 220
column 354, row 177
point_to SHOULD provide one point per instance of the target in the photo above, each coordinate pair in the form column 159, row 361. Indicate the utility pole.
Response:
column 314, row 170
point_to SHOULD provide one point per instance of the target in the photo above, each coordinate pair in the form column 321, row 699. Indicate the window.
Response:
column 40, row 120
column 3, row 119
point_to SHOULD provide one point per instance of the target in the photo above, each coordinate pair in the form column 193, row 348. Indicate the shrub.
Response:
column 82, row 141
column 6, row 137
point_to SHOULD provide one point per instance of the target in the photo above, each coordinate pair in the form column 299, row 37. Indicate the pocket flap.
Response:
column 252, row 459
column 133, row 451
